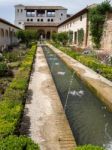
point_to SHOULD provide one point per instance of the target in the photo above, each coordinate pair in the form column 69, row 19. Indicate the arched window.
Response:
column 2, row 33
column 6, row 33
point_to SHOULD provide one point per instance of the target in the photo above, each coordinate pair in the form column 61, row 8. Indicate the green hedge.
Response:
column 12, row 102
column 18, row 143
column 91, row 62
column 89, row 147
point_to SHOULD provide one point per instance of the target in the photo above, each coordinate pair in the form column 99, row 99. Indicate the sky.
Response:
column 7, row 6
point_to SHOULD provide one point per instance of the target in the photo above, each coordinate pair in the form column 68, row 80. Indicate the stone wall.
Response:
column 106, row 42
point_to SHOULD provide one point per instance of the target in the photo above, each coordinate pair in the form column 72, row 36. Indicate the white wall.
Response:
column 9, row 37
column 75, row 25
column 20, row 17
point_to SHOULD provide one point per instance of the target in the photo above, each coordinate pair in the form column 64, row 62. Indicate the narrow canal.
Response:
column 89, row 119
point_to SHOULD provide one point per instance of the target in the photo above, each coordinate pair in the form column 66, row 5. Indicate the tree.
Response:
column 55, row 37
column 63, row 37
column 27, row 36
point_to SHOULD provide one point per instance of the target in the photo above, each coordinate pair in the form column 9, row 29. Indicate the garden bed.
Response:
column 12, row 105
column 9, row 64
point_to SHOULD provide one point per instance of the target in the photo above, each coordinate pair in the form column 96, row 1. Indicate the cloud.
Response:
column 72, row 5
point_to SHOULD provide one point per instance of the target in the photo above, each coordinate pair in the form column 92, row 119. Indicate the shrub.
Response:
column 63, row 37
column 3, row 68
column 54, row 37
column 27, row 36
column 80, row 36
column 89, row 147
column 20, row 143
column 13, row 56
column 11, row 105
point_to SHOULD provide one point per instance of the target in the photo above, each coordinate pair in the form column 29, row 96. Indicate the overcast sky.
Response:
column 7, row 6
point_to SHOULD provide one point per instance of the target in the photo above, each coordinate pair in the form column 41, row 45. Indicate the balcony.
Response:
column 30, row 13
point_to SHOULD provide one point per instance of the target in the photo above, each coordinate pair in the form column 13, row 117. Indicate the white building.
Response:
column 40, row 17
column 7, row 34
column 75, row 23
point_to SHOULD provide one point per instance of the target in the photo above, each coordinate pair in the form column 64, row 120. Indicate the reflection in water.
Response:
column 61, row 73
column 56, row 63
column 77, row 93
column 89, row 118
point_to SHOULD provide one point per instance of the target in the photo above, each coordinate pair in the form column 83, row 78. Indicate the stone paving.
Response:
column 44, row 119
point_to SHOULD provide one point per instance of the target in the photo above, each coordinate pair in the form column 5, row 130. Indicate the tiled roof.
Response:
column 41, row 7
column 45, row 7
column 8, row 23
column 41, row 24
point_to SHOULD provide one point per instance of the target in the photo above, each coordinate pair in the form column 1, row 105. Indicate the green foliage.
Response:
column 3, row 68
column 11, row 105
column 97, row 18
column 63, row 37
column 20, row 143
column 70, row 34
column 80, row 36
column 89, row 147
column 54, row 37
column 27, row 36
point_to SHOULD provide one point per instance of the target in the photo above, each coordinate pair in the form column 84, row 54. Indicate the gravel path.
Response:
column 44, row 119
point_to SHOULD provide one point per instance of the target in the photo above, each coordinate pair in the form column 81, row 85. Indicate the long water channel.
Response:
column 89, row 118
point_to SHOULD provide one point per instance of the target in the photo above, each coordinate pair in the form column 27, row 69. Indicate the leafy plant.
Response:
column 20, row 143
column 97, row 18
column 3, row 68
column 63, row 37
column 70, row 34
column 27, row 36
column 89, row 147
column 80, row 36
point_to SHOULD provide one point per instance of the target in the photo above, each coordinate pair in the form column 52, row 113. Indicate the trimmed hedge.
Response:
column 89, row 147
column 20, row 143
column 12, row 102
column 93, row 63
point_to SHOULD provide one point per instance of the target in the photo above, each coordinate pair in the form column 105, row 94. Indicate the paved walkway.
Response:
column 44, row 119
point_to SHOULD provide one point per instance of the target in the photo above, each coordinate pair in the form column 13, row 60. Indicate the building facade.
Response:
column 74, row 24
column 42, row 18
column 7, row 34
column 80, row 21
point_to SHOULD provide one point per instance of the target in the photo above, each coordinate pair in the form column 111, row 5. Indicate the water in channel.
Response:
column 89, row 119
